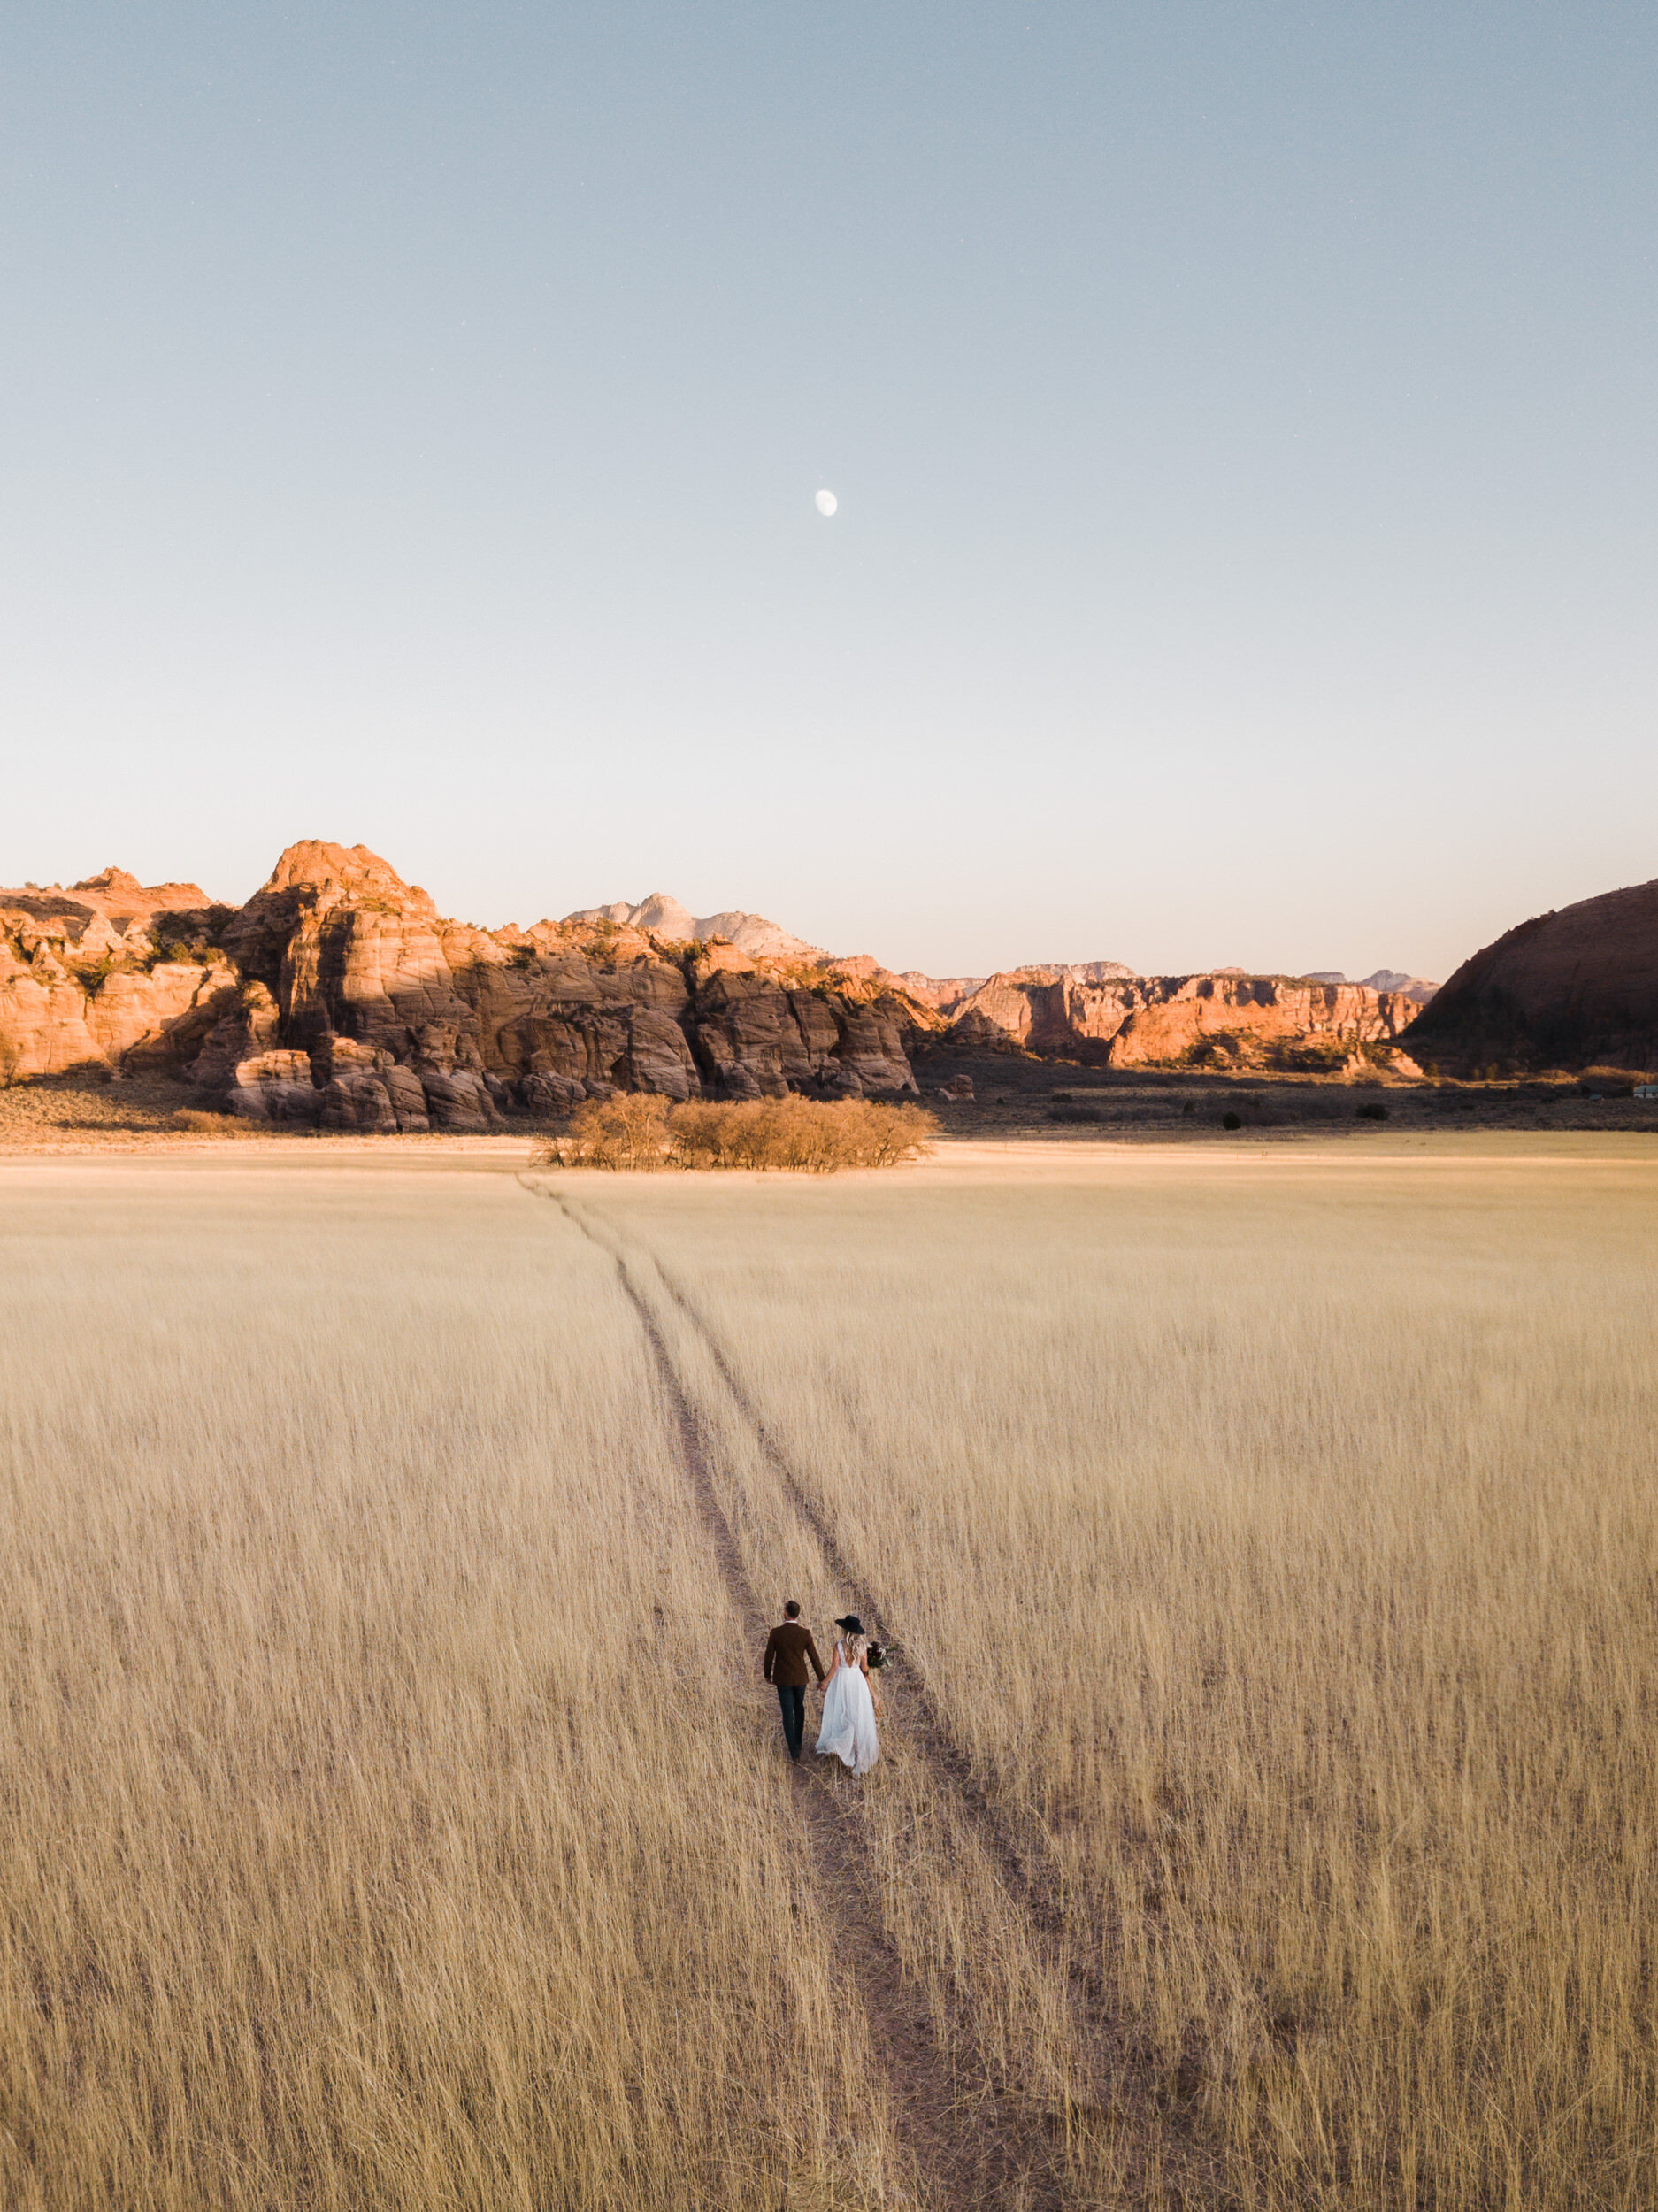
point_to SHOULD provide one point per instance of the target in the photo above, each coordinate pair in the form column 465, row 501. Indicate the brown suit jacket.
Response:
column 787, row 1648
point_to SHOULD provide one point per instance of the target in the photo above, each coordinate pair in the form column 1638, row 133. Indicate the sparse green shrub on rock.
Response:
column 92, row 975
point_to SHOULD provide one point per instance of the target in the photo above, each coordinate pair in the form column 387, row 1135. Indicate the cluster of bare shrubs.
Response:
column 803, row 1134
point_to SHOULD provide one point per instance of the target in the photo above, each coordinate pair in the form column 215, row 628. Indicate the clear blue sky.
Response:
column 1242, row 417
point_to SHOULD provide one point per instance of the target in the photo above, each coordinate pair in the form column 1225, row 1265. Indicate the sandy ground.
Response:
column 1020, row 1102
column 1488, row 1155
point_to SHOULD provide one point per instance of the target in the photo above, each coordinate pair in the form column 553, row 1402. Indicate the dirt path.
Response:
column 981, row 2156
column 1020, row 1871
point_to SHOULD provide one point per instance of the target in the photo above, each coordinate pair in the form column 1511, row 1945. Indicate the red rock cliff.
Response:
column 1248, row 1022
column 338, row 992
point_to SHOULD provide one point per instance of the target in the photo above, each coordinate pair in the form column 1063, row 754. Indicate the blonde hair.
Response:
column 855, row 1648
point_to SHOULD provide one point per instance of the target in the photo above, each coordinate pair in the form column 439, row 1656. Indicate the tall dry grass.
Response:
column 390, row 1816
column 387, row 1817
column 1278, row 1537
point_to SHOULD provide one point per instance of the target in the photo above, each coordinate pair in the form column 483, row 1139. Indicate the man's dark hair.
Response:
column 793, row 1609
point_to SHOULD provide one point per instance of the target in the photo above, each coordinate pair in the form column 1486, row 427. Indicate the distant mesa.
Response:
column 1416, row 987
column 664, row 917
column 1411, row 987
column 1570, row 989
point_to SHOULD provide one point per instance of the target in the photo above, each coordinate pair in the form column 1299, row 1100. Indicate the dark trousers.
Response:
column 792, row 1697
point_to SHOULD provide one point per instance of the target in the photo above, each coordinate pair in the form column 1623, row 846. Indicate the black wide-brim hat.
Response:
column 851, row 1623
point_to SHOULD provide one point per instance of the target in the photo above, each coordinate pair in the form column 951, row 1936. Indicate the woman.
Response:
column 849, row 1707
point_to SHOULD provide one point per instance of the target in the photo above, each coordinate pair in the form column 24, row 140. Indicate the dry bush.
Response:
column 800, row 1133
column 630, row 1133
column 192, row 1121
column 1279, row 1538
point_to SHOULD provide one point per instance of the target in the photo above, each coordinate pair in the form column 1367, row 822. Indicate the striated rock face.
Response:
column 273, row 1086
column 1570, row 989
column 757, row 1040
column 357, row 1102
column 346, row 944
column 161, row 1016
column 459, row 1101
column 338, row 995
column 1217, row 1020
column 408, row 1097
column 246, row 1027
column 106, row 973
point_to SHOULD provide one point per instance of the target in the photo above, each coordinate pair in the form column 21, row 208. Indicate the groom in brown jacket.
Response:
column 787, row 1648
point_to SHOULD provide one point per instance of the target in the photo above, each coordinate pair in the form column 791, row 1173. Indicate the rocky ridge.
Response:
column 339, row 995
column 1570, row 989
column 1221, row 1020
column 105, row 974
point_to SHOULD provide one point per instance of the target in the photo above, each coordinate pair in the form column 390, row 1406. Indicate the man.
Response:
column 787, row 1648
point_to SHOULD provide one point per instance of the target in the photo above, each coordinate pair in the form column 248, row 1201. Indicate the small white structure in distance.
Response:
column 826, row 503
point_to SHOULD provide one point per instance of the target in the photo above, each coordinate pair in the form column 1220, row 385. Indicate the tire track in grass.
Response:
column 984, row 2159
column 1186, row 2173
column 1010, row 1852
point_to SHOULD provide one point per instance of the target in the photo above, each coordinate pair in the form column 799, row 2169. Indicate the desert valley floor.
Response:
column 394, row 1815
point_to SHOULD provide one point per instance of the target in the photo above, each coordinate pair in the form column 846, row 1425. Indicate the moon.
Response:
column 825, row 503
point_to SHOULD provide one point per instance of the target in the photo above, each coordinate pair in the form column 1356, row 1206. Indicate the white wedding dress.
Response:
column 848, row 1718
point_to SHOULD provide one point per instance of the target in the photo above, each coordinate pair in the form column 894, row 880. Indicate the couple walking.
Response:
column 848, row 1731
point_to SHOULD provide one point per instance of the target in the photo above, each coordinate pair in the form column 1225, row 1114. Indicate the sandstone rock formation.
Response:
column 950, row 995
column 1221, row 1020
column 944, row 994
column 358, row 1103
column 1570, row 989
column 339, row 996
column 105, row 974
column 660, row 916
column 273, row 1086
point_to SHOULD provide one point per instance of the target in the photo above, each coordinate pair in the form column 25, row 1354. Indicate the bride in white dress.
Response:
column 849, row 1707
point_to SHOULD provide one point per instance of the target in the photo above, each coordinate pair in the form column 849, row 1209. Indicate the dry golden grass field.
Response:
column 391, row 1815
